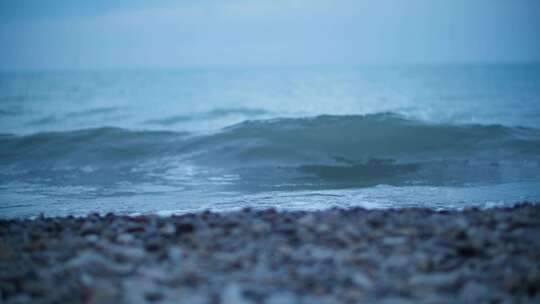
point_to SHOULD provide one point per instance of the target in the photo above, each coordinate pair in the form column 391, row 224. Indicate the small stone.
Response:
column 232, row 294
column 185, row 228
column 434, row 281
column 104, row 292
column 474, row 292
column 175, row 253
column 92, row 238
column 396, row 261
column 394, row 241
column 168, row 229
column 89, row 228
column 92, row 262
column 153, row 296
column 5, row 252
column 35, row 288
column 308, row 220
column 153, row 245
column 362, row 280
column 135, row 229
column 469, row 250
column 7, row 287
column 532, row 282
column 281, row 298
column 131, row 253
column 396, row 300
column 425, row 265
column 125, row 238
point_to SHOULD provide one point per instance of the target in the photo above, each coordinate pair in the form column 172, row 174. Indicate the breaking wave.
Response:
column 322, row 152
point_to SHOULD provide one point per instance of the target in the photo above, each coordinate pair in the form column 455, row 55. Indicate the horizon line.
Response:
column 415, row 64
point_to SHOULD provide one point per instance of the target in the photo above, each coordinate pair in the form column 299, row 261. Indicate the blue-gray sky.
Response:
column 72, row 34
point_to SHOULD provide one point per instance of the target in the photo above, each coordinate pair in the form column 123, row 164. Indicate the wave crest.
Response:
column 325, row 150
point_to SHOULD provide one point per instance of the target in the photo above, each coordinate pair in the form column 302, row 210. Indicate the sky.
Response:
column 82, row 34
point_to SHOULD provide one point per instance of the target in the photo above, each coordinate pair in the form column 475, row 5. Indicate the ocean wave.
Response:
column 213, row 114
column 325, row 151
column 359, row 138
column 85, row 147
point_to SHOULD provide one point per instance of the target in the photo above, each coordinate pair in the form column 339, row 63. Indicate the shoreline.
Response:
column 354, row 255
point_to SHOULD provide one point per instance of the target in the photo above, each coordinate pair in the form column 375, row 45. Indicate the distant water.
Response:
column 298, row 138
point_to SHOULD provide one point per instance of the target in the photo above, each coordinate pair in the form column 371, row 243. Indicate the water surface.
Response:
column 305, row 138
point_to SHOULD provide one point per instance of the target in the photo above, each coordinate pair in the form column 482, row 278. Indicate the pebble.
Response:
column 281, row 298
column 232, row 294
column 362, row 280
column 266, row 256
column 474, row 292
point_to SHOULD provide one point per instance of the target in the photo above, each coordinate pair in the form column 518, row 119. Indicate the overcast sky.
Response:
column 73, row 34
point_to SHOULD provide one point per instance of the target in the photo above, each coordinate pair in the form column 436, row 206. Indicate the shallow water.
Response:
column 302, row 138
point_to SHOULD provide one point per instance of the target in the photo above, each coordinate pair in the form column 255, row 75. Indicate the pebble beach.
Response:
column 268, row 256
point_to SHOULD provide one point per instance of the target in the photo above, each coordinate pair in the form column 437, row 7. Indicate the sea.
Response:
column 173, row 141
